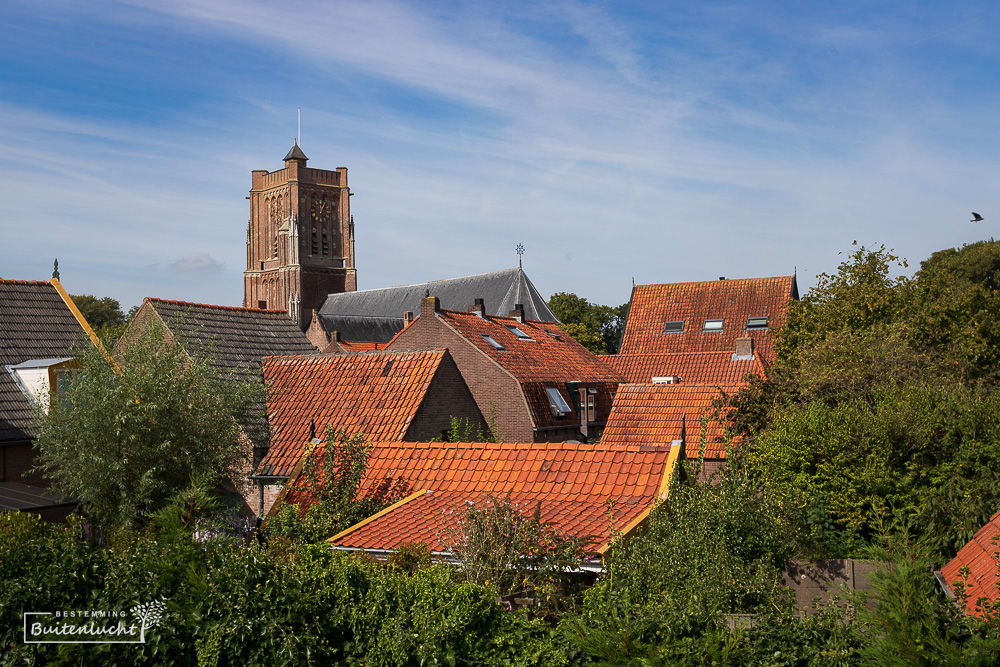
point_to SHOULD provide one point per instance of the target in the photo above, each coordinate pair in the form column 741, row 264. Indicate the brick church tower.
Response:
column 300, row 238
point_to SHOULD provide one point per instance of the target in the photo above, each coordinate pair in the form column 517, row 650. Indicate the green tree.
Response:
column 128, row 435
column 598, row 328
column 104, row 315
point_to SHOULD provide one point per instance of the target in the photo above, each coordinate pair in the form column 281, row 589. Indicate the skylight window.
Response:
column 517, row 332
column 489, row 339
column 556, row 336
column 673, row 327
column 559, row 405
column 756, row 323
column 712, row 325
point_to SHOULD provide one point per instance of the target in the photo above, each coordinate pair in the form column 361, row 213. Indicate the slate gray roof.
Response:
column 239, row 337
column 35, row 323
column 21, row 497
column 377, row 314
column 236, row 338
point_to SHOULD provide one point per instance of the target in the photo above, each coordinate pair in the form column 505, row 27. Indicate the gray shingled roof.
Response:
column 237, row 338
column 35, row 323
column 240, row 337
column 377, row 314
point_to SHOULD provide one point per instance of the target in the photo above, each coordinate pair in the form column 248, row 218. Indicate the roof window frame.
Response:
column 560, row 408
column 709, row 326
column 493, row 342
column 754, row 323
column 517, row 332
column 670, row 327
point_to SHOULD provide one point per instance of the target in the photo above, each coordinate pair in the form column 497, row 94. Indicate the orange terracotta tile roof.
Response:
column 980, row 556
column 547, row 355
column 733, row 301
column 694, row 367
column 374, row 393
column 657, row 414
column 574, row 483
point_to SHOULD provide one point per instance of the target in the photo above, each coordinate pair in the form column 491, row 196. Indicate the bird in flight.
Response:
column 976, row 217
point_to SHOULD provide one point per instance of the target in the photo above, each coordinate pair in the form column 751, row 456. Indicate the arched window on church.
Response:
column 326, row 245
column 315, row 243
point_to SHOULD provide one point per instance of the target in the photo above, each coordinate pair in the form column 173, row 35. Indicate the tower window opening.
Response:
column 326, row 245
column 315, row 244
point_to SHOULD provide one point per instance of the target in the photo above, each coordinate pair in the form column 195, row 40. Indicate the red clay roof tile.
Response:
column 980, row 556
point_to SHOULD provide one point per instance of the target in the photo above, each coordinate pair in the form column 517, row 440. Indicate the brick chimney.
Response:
column 479, row 308
column 744, row 348
column 407, row 318
column 518, row 312
column 429, row 306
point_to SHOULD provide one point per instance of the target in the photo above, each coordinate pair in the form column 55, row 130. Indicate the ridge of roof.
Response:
column 716, row 282
column 33, row 283
column 174, row 302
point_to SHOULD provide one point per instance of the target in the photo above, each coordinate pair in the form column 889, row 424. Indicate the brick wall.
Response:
column 448, row 396
column 494, row 389
column 15, row 460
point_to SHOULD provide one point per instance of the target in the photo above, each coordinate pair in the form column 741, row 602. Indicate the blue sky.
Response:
column 660, row 141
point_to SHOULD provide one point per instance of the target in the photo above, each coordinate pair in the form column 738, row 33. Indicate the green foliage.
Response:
column 913, row 622
column 124, row 438
column 883, row 400
column 463, row 429
column 104, row 315
column 499, row 543
column 332, row 479
column 713, row 547
column 234, row 605
column 597, row 328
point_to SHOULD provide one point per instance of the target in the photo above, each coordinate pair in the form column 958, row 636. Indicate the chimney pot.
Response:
column 407, row 318
column 722, row 277
column 517, row 313
column 744, row 348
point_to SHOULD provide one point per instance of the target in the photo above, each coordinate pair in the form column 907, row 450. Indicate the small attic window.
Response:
column 673, row 327
column 489, row 339
column 712, row 325
column 756, row 323
column 517, row 332
column 559, row 405
column 553, row 335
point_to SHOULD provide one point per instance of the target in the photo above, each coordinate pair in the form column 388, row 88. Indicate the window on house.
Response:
column 673, row 327
column 489, row 339
column 756, row 323
column 262, row 305
column 517, row 332
column 559, row 405
column 712, row 325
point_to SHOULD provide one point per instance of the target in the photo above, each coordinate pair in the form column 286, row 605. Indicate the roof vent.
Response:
column 722, row 277
column 667, row 379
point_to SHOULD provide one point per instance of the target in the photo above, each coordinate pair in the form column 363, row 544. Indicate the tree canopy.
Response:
column 883, row 404
column 598, row 328
column 103, row 314
column 124, row 437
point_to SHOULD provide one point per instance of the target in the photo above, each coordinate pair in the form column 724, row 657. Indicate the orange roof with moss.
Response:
column 374, row 393
column 584, row 490
column 733, row 302
column 982, row 556
column 723, row 368
column 658, row 414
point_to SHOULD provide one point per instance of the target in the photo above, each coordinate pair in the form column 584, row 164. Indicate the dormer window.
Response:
column 517, row 332
column 712, row 325
column 489, row 339
column 673, row 327
column 756, row 323
column 560, row 408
